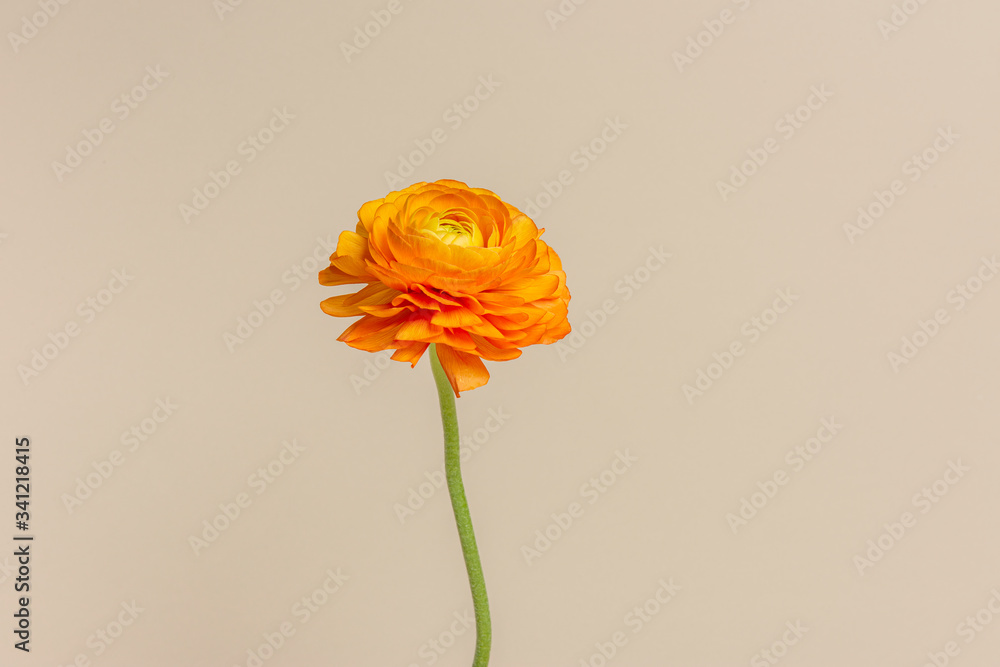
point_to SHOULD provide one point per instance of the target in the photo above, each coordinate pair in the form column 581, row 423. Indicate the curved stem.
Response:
column 452, row 459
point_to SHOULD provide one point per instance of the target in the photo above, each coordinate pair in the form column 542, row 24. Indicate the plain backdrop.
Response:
column 779, row 222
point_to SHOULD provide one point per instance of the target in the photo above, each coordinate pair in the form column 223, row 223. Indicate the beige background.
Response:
column 569, row 410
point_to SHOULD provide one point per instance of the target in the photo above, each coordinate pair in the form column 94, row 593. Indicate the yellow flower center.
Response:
column 454, row 228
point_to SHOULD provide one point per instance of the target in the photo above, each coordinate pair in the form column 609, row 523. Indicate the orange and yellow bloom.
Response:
column 452, row 265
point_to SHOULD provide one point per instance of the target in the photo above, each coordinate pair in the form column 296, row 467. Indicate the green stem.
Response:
column 453, row 469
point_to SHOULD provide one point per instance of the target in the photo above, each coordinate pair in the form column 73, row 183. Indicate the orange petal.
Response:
column 451, row 183
column 416, row 300
column 488, row 350
column 456, row 317
column 440, row 298
column 410, row 353
column 523, row 230
column 373, row 333
column 418, row 328
column 349, row 265
column 534, row 288
column 331, row 276
column 347, row 305
column 486, row 329
column 455, row 338
column 390, row 277
column 464, row 371
column 384, row 310
column 490, row 300
column 352, row 244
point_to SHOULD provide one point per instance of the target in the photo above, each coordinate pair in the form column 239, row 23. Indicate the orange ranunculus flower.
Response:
column 452, row 265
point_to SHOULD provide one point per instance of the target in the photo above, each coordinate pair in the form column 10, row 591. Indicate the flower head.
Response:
column 452, row 265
